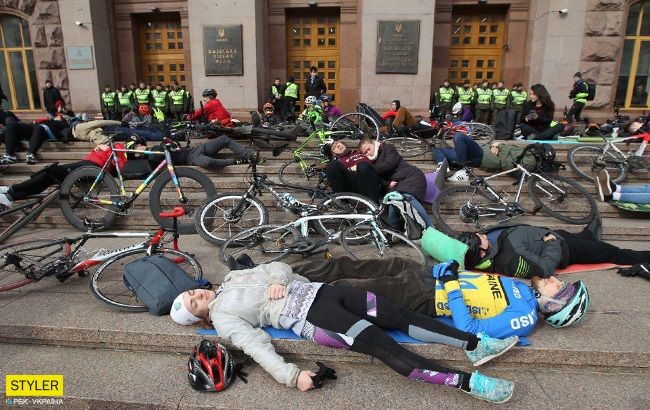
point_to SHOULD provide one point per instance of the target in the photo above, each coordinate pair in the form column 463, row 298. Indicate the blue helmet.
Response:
column 574, row 310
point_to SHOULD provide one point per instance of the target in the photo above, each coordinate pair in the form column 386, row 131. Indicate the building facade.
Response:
column 366, row 50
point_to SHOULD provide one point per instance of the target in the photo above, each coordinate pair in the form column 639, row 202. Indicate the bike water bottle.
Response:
column 290, row 202
column 615, row 132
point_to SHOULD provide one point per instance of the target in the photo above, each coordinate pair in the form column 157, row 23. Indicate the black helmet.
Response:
column 324, row 98
column 135, row 139
column 210, row 367
column 209, row 92
column 473, row 254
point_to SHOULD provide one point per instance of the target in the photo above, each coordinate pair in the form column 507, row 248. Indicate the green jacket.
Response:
column 483, row 98
column 507, row 155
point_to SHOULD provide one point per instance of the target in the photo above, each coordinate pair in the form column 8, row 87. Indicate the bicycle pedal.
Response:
column 63, row 276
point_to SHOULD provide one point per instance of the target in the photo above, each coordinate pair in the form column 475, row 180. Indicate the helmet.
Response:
column 310, row 100
column 326, row 148
column 135, row 139
column 210, row 367
column 209, row 92
column 457, row 108
column 574, row 310
column 144, row 109
column 268, row 108
column 473, row 253
column 324, row 98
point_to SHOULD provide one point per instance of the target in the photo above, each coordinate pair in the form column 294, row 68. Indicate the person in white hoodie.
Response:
column 335, row 316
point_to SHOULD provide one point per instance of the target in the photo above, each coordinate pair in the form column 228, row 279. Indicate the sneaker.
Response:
column 488, row 348
column 604, row 185
column 7, row 159
column 256, row 120
column 5, row 201
column 459, row 176
column 240, row 161
column 490, row 388
column 30, row 159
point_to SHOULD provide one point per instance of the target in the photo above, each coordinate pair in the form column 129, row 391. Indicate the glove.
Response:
column 324, row 373
column 640, row 269
column 446, row 271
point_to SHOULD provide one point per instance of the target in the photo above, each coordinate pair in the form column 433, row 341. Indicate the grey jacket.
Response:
column 242, row 308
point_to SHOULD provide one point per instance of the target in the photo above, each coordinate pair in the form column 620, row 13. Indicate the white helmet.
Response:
column 457, row 108
column 310, row 100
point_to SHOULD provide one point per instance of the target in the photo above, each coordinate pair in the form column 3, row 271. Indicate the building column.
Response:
column 413, row 90
column 85, row 85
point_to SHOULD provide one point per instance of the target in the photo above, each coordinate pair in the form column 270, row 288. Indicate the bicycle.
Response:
column 587, row 159
column 307, row 169
column 226, row 214
column 31, row 208
column 92, row 194
column 479, row 205
column 363, row 238
column 31, row 260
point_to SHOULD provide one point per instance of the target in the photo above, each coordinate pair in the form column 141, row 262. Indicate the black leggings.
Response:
column 19, row 130
column 204, row 155
column 348, row 318
column 44, row 179
column 574, row 112
column 365, row 180
column 583, row 248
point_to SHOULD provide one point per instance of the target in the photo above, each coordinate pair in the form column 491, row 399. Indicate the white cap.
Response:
column 180, row 314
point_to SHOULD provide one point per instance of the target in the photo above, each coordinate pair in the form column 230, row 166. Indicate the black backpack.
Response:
column 591, row 90
column 545, row 156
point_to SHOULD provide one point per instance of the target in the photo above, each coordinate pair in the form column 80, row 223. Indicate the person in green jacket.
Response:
column 579, row 94
column 290, row 97
column 518, row 97
column 445, row 98
column 466, row 94
column 125, row 99
column 501, row 97
column 178, row 101
column 109, row 103
column 483, row 103
column 160, row 99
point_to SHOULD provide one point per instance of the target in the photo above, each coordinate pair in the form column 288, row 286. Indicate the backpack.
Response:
column 414, row 225
column 591, row 90
column 545, row 156
column 156, row 281
column 504, row 124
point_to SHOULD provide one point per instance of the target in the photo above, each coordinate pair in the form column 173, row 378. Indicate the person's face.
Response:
column 48, row 85
column 159, row 87
column 107, row 89
column 174, row 87
column 533, row 96
column 276, row 82
column 313, row 73
column 206, row 99
column 393, row 106
column 338, row 148
column 575, row 79
column 368, row 149
column 132, row 87
column 485, row 245
column 500, row 85
column 326, row 103
column 486, row 84
column 197, row 300
column 143, row 85
column 123, row 89
column 446, row 83
column 639, row 89
column 548, row 287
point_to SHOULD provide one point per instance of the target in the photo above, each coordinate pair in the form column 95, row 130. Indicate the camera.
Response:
column 563, row 12
column 79, row 23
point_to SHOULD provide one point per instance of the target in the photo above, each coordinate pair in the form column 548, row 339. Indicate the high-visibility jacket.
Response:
column 178, row 98
column 291, row 90
column 142, row 95
column 483, row 96
column 500, row 97
column 465, row 95
column 274, row 90
column 518, row 98
column 125, row 98
column 108, row 99
column 581, row 92
column 446, row 95
column 159, row 98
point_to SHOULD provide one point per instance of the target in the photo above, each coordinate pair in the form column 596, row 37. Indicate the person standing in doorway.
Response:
column 314, row 85
column 276, row 94
column 290, row 97
column 51, row 95
column 160, row 100
column 109, row 103
column 126, row 99
column 483, row 103
column 445, row 98
column 518, row 97
column 177, row 101
column 500, row 95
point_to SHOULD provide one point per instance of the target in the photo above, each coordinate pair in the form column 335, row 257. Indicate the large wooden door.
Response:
column 313, row 40
column 475, row 47
column 17, row 71
column 161, row 48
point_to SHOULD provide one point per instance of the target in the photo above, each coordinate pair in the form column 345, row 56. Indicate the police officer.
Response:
column 276, row 94
column 445, row 98
column 125, row 99
column 160, row 100
column 177, row 99
column 483, row 103
column 466, row 94
column 290, row 97
column 518, row 97
column 109, row 103
column 143, row 95
column 501, row 96
column 189, row 100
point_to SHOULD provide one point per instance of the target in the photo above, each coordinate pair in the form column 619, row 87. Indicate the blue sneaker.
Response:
column 490, row 388
column 488, row 348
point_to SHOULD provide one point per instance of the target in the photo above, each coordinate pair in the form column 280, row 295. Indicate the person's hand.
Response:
column 494, row 150
column 305, row 382
column 549, row 237
column 446, row 271
column 640, row 269
column 392, row 185
column 277, row 292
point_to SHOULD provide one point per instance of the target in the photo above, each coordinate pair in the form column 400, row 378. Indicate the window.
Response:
column 17, row 71
column 632, row 86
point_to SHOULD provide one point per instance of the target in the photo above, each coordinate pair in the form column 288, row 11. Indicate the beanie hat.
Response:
column 578, row 74
column 180, row 314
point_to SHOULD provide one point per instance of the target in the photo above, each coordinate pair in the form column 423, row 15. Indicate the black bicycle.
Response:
column 27, row 211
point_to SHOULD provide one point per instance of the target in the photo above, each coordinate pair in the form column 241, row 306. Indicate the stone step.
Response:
column 121, row 385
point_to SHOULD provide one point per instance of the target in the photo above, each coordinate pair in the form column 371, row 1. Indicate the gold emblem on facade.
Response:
column 221, row 32
column 399, row 28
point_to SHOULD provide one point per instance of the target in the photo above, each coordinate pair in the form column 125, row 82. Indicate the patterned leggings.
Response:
column 349, row 318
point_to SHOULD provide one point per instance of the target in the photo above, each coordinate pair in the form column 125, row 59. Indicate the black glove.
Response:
column 640, row 269
column 324, row 373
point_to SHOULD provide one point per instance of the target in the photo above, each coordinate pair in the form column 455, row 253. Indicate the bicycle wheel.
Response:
column 75, row 198
column 354, row 125
column 585, row 160
column 480, row 132
column 107, row 283
column 312, row 176
column 562, row 199
column 340, row 204
column 379, row 243
column 216, row 220
column 33, row 213
column 264, row 244
column 197, row 188
column 463, row 208
column 20, row 258
column 408, row 146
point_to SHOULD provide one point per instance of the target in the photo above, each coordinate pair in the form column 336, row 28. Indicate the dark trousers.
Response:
column 483, row 115
column 574, row 112
column 287, row 107
column 465, row 151
column 495, row 113
column 360, row 316
column 364, row 181
column 547, row 134
column 123, row 133
column 19, row 130
column 204, row 155
column 44, row 179
column 583, row 248
column 518, row 113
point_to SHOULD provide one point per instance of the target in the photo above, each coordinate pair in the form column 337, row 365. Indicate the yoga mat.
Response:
column 629, row 206
column 398, row 336
column 587, row 267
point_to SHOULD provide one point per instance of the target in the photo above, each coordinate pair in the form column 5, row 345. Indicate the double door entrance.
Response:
column 161, row 49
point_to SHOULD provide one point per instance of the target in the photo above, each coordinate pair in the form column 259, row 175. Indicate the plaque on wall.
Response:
column 79, row 58
column 223, row 50
column 398, row 44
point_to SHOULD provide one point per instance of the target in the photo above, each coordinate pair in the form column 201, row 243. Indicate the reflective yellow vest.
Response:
column 178, row 97
column 159, row 98
column 142, row 96
column 274, row 90
column 500, row 97
column 465, row 95
column 108, row 99
column 446, row 94
column 518, row 98
column 125, row 98
column 484, row 97
column 291, row 90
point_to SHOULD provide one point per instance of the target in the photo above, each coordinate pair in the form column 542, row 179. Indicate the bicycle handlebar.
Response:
column 175, row 213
